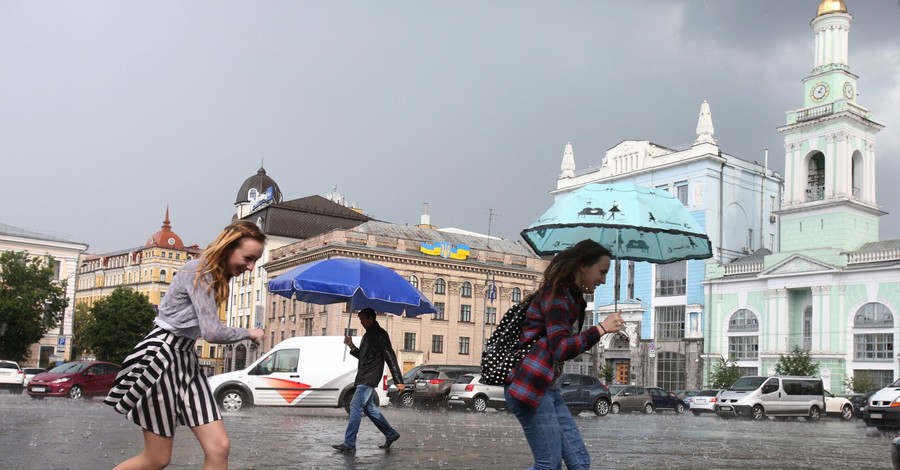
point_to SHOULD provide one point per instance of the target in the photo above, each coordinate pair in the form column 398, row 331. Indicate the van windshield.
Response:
column 746, row 384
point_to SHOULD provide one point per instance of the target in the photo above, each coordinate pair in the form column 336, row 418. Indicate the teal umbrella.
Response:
column 634, row 222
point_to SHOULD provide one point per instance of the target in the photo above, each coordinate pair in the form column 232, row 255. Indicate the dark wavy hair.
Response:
column 561, row 269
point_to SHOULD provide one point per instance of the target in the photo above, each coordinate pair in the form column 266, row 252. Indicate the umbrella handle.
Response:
column 350, row 319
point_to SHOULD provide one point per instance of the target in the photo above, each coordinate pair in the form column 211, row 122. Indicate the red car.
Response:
column 75, row 380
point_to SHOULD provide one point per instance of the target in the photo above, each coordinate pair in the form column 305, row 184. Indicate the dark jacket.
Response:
column 374, row 350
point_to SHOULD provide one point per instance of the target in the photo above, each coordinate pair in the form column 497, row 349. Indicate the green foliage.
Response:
column 797, row 363
column 115, row 324
column 724, row 374
column 606, row 373
column 861, row 382
column 31, row 302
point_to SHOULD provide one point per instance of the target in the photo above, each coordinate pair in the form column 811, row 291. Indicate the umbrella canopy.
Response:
column 634, row 222
column 361, row 283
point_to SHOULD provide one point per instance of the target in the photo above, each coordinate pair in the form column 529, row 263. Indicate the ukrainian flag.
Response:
column 460, row 252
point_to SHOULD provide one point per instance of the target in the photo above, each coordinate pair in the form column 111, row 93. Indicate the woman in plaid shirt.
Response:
column 532, row 393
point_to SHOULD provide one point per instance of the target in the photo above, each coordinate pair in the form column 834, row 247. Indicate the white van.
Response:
column 303, row 371
column 779, row 396
column 882, row 410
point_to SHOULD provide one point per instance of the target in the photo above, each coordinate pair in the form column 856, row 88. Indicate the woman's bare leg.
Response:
column 215, row 443
column 156, row 454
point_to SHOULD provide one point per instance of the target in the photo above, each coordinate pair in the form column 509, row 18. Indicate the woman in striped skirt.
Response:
column 161, row 383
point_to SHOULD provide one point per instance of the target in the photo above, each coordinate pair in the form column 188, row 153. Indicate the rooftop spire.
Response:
column 568, row 162
column 705, row 129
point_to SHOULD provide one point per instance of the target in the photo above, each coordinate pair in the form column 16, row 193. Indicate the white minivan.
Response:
column 302, row 371
column 778, row 396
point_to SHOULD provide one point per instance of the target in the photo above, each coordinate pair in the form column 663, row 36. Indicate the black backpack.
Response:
column 503, row 351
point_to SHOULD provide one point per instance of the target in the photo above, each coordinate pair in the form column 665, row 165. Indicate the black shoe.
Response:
column 388, row 442
column 343, row 448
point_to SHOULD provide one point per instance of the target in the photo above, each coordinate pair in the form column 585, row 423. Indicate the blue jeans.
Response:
column 364, row 402
column 551, row 433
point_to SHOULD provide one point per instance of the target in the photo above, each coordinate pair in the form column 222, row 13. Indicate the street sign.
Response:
column 61, row 342
column 652, row 353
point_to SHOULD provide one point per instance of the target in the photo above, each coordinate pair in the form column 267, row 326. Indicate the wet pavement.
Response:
column 85, row 434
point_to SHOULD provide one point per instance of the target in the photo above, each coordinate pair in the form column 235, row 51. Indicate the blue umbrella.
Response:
column 634, row 222
column 361, row 283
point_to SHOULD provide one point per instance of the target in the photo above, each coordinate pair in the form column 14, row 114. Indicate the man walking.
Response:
column 374, row 350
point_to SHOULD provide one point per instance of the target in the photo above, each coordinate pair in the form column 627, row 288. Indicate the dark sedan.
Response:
column 583, row 392
column 663, row 400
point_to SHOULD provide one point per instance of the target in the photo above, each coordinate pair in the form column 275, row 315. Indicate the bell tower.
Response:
column 829, row 195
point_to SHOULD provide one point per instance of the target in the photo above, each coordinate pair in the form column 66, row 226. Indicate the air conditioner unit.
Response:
column 772, row 218
column 745, row 249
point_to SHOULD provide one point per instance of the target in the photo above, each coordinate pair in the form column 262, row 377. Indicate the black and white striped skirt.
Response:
column 161, row 384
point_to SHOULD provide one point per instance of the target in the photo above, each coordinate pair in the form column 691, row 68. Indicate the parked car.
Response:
column 11, row 375
column 779, row 396
column 30, row 372
column 665, row 400
column 615, row 388
column 468, row 391
column 704, row 401
column 583, row 392
column 882, row 410
column 75, row 379
column 685, row 396
column 302, row 371
column 838, row 406
column 409, row 379
column 433, row 386
column 859, row 401
column 632, row 398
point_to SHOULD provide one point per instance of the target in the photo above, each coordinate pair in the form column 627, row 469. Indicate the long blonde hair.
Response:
column 214, row 259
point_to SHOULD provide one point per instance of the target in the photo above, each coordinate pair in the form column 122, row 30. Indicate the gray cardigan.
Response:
column 190, row 310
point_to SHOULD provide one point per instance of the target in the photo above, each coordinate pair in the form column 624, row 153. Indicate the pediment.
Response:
column 797, row 264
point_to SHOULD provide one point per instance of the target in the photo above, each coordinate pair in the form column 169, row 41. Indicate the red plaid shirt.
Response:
column 556, row 310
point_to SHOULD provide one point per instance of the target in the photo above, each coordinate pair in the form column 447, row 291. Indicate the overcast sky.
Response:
column 110, row 111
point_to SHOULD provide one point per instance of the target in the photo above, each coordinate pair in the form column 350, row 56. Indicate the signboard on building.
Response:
column 264, row 199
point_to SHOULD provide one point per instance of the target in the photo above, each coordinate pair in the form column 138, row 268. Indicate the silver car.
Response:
column 704, row 401
column 468, row 391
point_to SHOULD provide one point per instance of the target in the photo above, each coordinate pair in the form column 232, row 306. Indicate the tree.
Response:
column 79, row 319
column 31, row 302
column 115, row 324
column 724, row 374
column 606, row 373
column 861, row 382
column 797, row 363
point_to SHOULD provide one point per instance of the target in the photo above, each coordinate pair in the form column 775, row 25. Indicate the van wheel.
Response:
column 757, row 413
column 648, row 408
column 601, row 407
column 814, row 414
column 847, row 413
column 232, row 400
column 615, row 408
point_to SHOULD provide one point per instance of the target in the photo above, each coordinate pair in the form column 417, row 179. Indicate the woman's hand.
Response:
column 612, row 323
column 256, row 335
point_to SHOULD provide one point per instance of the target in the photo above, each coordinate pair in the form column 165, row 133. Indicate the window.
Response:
column 881, row 378
column 282, row 335
column 409, row 341
column 490, row 315
column 307, row 327
column 516, row 295
column 162, row 275
column 671, row 279
column 617, row 285
column 630, row 285
column 437, row 343
column 681, row 190
column 874, row 347
column 439, row 310
column 199, row 351
column 284, row 360
column 413, row 280
column 873, row 315
column 743, row 347
column 293, row 333
column 464, row 345
column 751, row 371
column 807, row 329
column 440, row 287
column 466, row 289
column 671, row 367
column 465, row 313
column 212, row 351
column 670, row 322
column 347, row 331
column 743, row 320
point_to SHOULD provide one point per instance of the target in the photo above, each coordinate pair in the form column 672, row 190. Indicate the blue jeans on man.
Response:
column 364, row 402
column 551, row 432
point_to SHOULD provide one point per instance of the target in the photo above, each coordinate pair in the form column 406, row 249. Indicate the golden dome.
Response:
column 831, row 6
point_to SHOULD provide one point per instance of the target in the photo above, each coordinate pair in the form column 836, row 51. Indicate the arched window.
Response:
column 743, row 320
column 873, row 315
column 875, row 341
column 413, row 280
column 252, row 194
column 516, row 295
column 815, row 182
column 162, row 275
column 466, row 289
column 807, row 329
column 440, row 287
